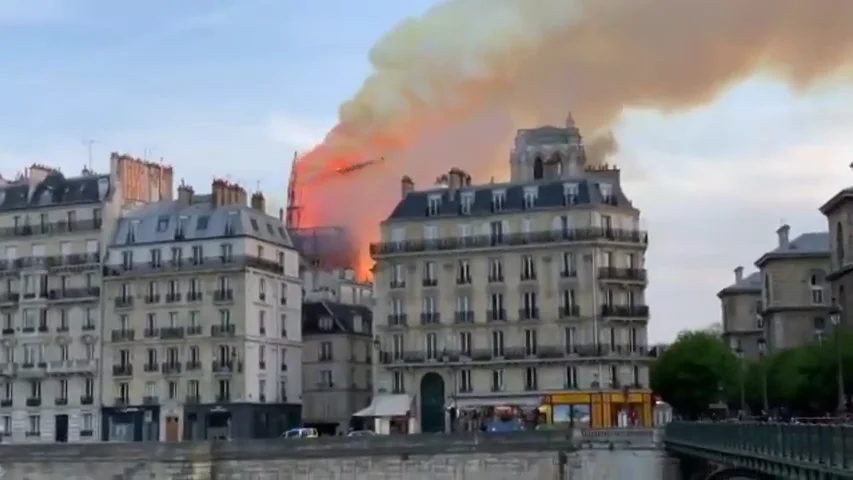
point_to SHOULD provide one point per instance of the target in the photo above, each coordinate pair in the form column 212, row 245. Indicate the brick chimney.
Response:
column 783, row 233
column 185, row 194
column 238, row 195
column 407, row 186
column 218, row 193
column 259, row 203
column 738, row 274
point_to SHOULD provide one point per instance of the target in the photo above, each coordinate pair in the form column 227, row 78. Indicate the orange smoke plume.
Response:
column 450, row 88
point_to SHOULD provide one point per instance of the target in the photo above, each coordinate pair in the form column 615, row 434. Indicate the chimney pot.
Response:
column 738, row 274
column 407, row 186
column 259, row 202
column 783, row 233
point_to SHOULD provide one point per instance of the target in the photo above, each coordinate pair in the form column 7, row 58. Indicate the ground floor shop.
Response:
column 600, row 409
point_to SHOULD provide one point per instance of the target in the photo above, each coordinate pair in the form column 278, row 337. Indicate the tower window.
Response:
column 498, row 200
column 537, row 169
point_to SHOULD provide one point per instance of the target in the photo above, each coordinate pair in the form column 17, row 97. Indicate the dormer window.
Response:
column 498, row 200
column 606, row 191
column 162, row 224
column 466, row 201
column 570, row 193
column 181, row 229
column 229, row 223
column 530, row 195
column 433, row 205
column 131, row 231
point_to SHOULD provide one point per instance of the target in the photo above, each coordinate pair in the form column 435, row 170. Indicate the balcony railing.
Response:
column 569, row 311
column 226, row 367
column 397, row 319
column 197, row 264
column 527, row 238
column 52, row 228
column 10, row 297
column 222, row 331
column 123, row 335
column 537, row 352
column 625, row 311
column 626, row 274
column 122, row 370
column 172, row 333
column 430, row 318
column 123, row 302
column 464, row 317
column 171, row 367
column 73, row 293
column 222, row 296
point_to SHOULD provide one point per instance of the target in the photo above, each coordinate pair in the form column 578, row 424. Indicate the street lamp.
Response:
column 762, row 347
column 835, row 317
column 739, row 353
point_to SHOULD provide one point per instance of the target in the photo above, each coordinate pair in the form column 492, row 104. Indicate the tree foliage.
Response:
column 694, row 372
column 698, row 369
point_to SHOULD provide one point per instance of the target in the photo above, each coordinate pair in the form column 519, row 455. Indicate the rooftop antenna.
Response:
column 89, row 143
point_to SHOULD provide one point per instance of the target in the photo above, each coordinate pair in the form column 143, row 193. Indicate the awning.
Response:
column 497, row 401
column 385, row 405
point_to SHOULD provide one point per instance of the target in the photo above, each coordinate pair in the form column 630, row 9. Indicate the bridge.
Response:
column 764, row 450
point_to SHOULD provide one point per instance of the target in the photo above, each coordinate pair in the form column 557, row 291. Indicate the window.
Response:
column 635, row 374
column 35, row 388
column 571, row 376
column 7, row 425
column 465, row 343
column 816, row 289
column 498, row 343
column 466, row 201
column 262, row 384
column 433, row 205
column 498, row 200
column 531, row 342
column 127, row 260
column 8, row 390
column 224, row 390
column 528, row 268
column 282, row 390
column 431, row 341
column 496, row 307
column 283, row 294
column 198, row 254
column 497, row 380
column 463, row 272
column 465, row 381
column 530, row 379
column 326, row 378
column 88, row 422
column 155, row 257
column 567, row 266
column 530, row 194
column 529, row 308
column 177, row 254
column 34, row 425
column 567, row 303
column 570, row 193
column 262, row 357
column 262, row 289
column 174, row 287
column 496, row 270
column 613, row 370
column 193, row 388
column 399, row 382
column 89, row 387
column 226, row 252
column 262, row 322
column 325, row 351
column 430, row 305
column 397, row 346
column 62, row 389
column 162, row 224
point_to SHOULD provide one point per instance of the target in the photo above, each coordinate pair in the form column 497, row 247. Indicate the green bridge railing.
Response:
column 817, row 445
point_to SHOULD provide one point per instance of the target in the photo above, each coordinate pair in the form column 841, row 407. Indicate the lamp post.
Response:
column 835, row 317
column 762, row 348
column 739, row 353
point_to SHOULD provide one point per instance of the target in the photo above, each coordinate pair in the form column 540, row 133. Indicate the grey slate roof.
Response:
column 812, row 244
column 158, row 222
column 54, row 191
column 341, row 314
column 749, row 284
column 550, row 195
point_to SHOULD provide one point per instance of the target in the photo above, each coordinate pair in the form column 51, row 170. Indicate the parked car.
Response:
column 301, row 433
column 361, row 433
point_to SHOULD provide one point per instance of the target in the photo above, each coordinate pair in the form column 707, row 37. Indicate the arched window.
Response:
column 816, row 287
column 839, row 244
column 766, row 290
column 537, row 169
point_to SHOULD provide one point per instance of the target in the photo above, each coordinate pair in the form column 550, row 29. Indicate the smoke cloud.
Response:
column 450, row 88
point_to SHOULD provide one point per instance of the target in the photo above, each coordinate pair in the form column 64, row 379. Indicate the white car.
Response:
column 361, row 433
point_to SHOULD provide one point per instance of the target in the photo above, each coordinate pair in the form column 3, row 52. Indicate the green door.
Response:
column 432, row 403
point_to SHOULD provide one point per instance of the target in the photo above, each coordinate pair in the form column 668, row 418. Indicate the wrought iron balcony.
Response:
column 528, row 313
column 521, row 353
column 150, row 400
column 73, row 293
column 172, row 333
column 34, row 402
column 60, row 401
column 227, row 367
column 87, row 400
column 496, row 315
column 193, row 399
column 173, row 297
column 52, row 228
column 194, row 330
column 152, row 298
column 73, row 260
column 151, row 333
column 398, row 319
column 569, row 311
column 10, row 297
column 568, row 273
column 124, row 370
column 624, row 274
column 222, row 330
column 218, row 263
column 625, row 311
column 171, row 367
column 193, row 365
column 150, row 368
column 430, row 318
column 394, row 284
column 123, row 335
column 463, row 317
column 194, row 296
column 541, row 237
column 123, row 302
column 223, row 296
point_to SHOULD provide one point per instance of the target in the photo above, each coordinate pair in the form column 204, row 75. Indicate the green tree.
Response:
column 695, row 371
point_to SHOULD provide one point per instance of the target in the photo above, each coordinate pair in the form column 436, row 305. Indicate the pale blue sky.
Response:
column 210, row 84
